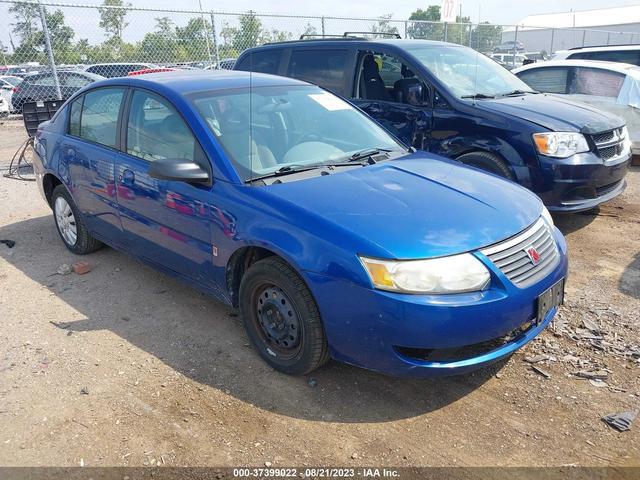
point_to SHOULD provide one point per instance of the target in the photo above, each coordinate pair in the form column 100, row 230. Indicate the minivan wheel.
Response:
column 281, row 317
column 70, row 224
column 487, row 161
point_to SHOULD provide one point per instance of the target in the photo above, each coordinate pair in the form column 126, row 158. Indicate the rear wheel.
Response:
column 70, row 224
column 282, row 318
column 488, row 162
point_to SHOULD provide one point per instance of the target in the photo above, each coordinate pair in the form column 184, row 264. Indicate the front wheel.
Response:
column 281, row 317
column 488, row 162
column 70, row 224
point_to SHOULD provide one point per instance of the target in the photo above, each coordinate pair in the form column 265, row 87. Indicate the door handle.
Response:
column 128, row 177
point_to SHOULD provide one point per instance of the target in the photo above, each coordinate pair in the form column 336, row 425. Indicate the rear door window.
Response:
column 548, row 80
column 321, row 67
column 99, row 117
column 596, row 81
column 264, row 61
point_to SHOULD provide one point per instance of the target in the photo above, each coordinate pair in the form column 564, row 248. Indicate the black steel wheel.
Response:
column 282, row 318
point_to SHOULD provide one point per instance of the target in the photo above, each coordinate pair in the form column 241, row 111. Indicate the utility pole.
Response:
column 47, row 44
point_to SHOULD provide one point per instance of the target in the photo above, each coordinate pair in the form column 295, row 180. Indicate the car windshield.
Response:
column 285, row 128
column 468, row 73
column 15, row 81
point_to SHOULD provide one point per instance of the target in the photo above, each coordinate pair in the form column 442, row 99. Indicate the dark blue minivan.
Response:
column 453, row 101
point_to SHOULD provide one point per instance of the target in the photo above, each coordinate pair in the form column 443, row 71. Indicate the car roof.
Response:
column 625, row 68
column 191, row 81
column 602, row 48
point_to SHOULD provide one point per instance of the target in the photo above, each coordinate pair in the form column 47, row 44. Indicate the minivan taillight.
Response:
column 15, row 89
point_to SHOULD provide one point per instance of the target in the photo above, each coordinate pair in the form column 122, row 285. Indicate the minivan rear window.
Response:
column 265, row 61
column 322, row 67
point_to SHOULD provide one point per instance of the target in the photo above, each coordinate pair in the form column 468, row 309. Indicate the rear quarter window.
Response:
column 265, row 61
column 321, row 67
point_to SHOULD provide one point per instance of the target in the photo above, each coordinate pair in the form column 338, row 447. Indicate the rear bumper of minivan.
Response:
column 581, row 182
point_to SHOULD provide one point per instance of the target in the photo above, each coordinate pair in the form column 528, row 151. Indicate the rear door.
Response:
column 165, row 222
column 401, row 109
column 89, row 150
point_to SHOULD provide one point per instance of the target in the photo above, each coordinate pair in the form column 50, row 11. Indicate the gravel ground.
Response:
column 126, row 366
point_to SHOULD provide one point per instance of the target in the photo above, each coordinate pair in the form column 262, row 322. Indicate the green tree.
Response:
column 486, row 36
column 27, row 18
column 309, row 30
column 384, row 25
column 421, row 28
column 112, row 18
column 194, row 38
column 161, row 45
column 460, row 31
column 247, row 35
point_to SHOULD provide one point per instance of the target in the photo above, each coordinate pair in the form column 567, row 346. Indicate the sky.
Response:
column 85, row 21
column 494, row 11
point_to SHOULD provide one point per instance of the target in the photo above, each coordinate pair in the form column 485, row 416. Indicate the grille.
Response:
column 513, row 261
column 610, row 144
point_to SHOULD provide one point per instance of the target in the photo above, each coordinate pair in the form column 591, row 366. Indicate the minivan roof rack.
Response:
column 387, row 34
column 319, row 35
column 610, row 45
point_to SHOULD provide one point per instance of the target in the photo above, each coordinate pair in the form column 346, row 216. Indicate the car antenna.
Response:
column 475, row 80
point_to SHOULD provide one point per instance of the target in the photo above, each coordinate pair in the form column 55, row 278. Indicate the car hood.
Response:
column 554, row 113
column 419, row 206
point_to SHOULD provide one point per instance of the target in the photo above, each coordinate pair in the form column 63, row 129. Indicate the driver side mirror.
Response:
column 6, row 87
column 179, row 169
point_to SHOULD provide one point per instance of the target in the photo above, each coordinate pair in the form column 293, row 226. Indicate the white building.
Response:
column 559, row 31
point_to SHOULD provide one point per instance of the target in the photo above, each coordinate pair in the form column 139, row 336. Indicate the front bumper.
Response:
column 581, row 182
column 374, row 329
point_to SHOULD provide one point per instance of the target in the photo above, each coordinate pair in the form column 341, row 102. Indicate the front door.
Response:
column 387, row 89
column 166, row 222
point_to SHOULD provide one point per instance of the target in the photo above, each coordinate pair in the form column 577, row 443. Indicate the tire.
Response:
column 488, row 162
column 282, row 318
column 70, row 224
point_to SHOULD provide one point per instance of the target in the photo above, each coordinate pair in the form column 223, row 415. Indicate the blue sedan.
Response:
column 332, row 237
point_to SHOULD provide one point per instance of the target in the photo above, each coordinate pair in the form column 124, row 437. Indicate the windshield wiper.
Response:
column 286, row 170
column 367, row 153
column 479, row 95
column 518, row 92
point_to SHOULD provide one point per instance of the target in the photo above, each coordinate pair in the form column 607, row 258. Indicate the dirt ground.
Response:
column 126, row 366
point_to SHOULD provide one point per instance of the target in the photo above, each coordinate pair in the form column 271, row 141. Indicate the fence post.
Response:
column 584, row 34
column 515, row 48
column 405, row 30
column 608, row 37
column 215, row 39
column 47, row 44
column 553, row 32
column 322, row 23
column 445, row 31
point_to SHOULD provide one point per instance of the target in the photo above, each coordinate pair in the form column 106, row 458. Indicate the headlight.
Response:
column 560, row 144
column 626, row 141
column 455, row 274
column 547, row 216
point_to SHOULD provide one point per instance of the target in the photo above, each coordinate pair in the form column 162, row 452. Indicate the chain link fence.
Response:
column 48, row 50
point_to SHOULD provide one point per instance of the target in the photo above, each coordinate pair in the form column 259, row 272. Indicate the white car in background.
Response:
column 606, row 53
column 508, row 61
column 612, row 87
column 7, row 85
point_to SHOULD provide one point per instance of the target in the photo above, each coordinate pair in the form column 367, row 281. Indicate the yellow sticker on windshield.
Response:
column 330, row 102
